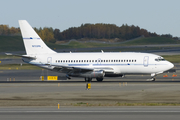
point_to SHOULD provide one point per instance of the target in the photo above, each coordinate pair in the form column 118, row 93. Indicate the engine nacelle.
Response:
column 97, row 74
column 93, row 74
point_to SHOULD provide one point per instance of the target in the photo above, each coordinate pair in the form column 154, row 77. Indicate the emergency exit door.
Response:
column 49, row 60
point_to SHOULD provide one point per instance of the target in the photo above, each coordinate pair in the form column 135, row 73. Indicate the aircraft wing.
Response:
column 71, row 69
column 67, row 69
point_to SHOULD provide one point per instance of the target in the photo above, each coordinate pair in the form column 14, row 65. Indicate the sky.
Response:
column 159, row 16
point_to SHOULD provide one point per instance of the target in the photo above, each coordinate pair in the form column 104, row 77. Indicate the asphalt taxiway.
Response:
column 76, row 94
column 89, row 113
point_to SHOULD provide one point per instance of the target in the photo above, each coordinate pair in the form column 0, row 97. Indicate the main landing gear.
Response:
column 90, row 79
column 99, row 79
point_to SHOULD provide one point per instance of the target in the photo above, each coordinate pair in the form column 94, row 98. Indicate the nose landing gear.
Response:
column 153, row 77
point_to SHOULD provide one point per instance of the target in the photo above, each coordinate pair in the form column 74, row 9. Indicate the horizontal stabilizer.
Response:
column 24, row 56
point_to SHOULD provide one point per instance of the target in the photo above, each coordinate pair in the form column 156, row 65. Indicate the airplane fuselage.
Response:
column 116, row 63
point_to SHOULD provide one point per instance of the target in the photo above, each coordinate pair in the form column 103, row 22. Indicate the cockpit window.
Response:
column 160, row 59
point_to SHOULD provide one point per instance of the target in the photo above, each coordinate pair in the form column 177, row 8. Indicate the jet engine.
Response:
column 97, row 74
column 92, row 74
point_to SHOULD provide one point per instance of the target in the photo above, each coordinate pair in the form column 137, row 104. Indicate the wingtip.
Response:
column 8, row 53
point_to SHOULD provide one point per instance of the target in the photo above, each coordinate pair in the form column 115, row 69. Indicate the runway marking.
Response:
column 89, row 111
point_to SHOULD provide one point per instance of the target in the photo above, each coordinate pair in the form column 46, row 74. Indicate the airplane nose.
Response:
column 171, row 65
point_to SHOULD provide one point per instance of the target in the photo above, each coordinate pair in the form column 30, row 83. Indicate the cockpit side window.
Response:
column 157, row 60
column 160, row 59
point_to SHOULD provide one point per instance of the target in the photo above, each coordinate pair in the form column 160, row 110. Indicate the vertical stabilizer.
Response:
column 32, row 42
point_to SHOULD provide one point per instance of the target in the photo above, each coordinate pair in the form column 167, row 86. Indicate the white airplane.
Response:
column 89, row 65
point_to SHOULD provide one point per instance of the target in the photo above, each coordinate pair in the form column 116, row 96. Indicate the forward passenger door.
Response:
column 146, row 61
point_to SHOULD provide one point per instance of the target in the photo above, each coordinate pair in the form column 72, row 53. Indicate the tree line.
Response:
column 89, row 31
column 100, row 31
column 5, row 30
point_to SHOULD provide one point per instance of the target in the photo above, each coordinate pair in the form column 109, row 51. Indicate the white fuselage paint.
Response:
column 117, row 63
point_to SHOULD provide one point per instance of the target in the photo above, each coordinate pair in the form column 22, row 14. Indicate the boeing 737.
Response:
column 91, row 64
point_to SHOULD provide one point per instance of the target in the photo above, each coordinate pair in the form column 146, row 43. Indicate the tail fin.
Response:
column 32, row 42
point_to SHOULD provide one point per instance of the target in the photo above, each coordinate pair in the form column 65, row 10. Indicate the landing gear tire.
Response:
column 99, row 79
column 152, row 79
column 88, row 79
